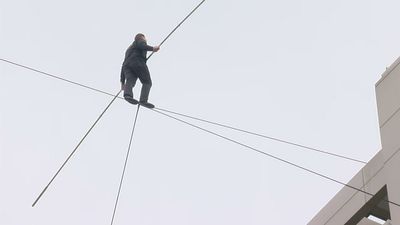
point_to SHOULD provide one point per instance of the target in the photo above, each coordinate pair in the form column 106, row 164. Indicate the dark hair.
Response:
column 139, row 37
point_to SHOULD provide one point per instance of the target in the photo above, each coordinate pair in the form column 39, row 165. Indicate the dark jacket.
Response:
column 137, row 51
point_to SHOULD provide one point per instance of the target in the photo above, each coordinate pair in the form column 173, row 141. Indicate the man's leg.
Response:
column 129, row 84
column 145, row 79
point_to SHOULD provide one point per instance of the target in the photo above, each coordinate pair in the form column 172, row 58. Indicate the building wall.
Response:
column 383, row 169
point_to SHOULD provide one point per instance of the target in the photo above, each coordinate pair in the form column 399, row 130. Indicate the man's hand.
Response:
column 156, row 48
column 122, row 86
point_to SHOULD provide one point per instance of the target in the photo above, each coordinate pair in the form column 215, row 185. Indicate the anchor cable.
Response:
column 270, row 155
column 126, row 161
column 263, row 136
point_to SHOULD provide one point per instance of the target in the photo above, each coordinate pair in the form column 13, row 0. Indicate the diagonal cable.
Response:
column 126, row 162
column 56, row 77
column 76, row 148
column 263, row 136
column 270, row 155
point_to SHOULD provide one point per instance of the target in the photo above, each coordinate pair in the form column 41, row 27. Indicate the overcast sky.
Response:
column 300, row 70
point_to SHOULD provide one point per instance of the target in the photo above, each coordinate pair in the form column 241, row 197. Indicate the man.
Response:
column 135, row 67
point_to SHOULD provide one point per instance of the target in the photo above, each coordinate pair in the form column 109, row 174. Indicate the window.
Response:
column 376, row 209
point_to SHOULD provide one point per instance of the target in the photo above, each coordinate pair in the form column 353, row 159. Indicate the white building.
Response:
column 381, row 176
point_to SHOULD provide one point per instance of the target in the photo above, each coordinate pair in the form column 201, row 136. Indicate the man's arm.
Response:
column 143, row 46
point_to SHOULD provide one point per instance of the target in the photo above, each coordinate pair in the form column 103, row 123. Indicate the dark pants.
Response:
column 132, row 73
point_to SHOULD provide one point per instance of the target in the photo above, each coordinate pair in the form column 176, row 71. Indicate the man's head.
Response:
column 140, row 37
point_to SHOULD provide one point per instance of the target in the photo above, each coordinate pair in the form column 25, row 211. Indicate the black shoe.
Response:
column 131, row 100
column 146, row 104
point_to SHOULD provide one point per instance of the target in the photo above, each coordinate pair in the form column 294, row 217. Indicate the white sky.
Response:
column 302, row 70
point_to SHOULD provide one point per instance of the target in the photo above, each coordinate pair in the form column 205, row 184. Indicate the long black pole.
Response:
column 177, row 26
column 76, row 148
column 72, row 153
